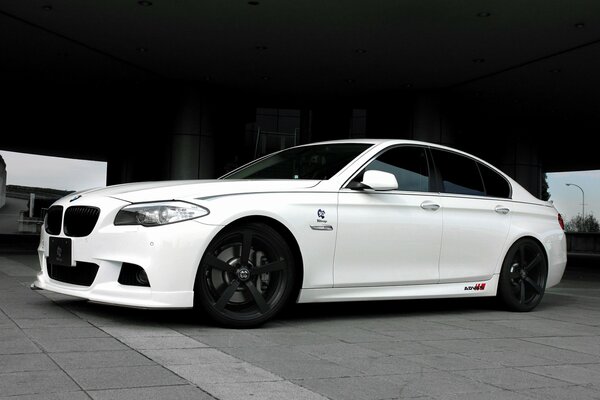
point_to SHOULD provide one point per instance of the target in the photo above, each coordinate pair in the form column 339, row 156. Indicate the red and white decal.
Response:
column 477, row 286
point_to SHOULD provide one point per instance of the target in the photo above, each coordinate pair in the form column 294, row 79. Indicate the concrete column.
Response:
column 2, row 182
column 521, row 161
column 192, row 140
column 330, row 122
column 429, row 122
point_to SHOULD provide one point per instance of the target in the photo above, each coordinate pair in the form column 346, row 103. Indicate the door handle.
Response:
column 428, row 205
column 502, row 210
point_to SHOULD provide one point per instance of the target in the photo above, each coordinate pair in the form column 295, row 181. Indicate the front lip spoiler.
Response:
column 33, row 286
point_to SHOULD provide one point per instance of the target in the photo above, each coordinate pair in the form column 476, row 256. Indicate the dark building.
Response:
column 170, row 90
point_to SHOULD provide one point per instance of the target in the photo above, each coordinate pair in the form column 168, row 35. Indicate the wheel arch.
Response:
column 518, row 239
column 287, row 235
column 505, row 292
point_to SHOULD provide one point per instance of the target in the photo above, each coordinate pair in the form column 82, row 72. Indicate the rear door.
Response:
column 477, row 216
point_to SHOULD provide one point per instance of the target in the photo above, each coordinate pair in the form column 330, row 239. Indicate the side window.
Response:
column 408, row 164
column 459, row 174
column 495, row 184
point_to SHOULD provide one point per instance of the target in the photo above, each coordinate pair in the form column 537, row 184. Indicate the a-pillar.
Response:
column 192, row 140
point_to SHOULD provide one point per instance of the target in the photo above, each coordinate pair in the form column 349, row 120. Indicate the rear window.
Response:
column 495, row 184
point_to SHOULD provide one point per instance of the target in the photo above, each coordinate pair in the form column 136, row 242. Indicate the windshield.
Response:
column 306, row 162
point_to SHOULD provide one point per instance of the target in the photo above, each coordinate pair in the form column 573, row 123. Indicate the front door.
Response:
column 391, row 237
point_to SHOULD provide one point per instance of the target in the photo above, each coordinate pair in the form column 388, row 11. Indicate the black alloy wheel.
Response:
column 246, row 276
column 523, row 276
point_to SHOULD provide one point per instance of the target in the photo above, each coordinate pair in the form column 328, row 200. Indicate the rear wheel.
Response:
column 246, row 276
column 523, row 276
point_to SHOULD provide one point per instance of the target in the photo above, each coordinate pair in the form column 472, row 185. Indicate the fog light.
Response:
column 142, row 278
column 133, row 275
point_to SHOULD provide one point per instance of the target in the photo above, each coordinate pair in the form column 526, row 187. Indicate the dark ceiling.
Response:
column 538, row 56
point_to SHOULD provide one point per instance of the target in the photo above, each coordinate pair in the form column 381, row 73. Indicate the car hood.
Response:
column 170, row 190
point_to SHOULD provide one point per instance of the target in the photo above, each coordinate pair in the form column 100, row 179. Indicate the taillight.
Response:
column 561, row 222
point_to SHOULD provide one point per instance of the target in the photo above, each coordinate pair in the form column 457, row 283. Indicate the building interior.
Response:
column 187, row 89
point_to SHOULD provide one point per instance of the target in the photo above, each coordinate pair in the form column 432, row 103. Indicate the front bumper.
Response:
column 169, row 254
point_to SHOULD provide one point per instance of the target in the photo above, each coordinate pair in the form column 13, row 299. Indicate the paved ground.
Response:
column 54, row 347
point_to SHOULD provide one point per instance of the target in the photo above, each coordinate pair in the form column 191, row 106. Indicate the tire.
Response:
column 523, row 276
column 246, row 276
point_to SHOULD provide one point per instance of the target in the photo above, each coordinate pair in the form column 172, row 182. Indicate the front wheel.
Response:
column 246, row 276
column 523, row 276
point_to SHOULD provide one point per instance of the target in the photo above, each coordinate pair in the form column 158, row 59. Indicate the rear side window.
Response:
column 459, row 174
column 495, row 184
column 409, row 166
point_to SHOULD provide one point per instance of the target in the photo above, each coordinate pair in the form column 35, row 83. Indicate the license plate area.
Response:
column 60, row 251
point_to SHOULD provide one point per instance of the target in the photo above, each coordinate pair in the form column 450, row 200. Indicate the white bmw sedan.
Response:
column 333, row 221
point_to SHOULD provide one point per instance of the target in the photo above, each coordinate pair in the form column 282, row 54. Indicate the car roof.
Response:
column 378, row 143
column 395, row 142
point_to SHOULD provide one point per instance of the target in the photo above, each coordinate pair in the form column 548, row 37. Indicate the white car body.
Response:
column 354, row 245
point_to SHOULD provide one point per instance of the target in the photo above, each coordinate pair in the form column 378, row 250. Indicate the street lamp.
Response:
column 582, row 200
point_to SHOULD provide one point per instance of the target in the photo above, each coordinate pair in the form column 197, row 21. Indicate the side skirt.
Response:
column 441, row 290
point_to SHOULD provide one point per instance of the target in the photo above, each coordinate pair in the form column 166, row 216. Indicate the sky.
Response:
column 567, row 199
column 53, row 172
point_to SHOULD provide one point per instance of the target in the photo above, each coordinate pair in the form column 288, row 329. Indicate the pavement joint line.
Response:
column 516, row 369
column 567, row 383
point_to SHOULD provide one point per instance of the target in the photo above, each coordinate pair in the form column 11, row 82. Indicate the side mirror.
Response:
column 376, row 180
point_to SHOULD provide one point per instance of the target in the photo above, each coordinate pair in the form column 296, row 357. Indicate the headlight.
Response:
column 160, row 213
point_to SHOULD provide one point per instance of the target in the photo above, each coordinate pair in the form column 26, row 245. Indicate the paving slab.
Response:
column 451, row 362
column 441, row 384
column 511, row 378
column 262, row 390
column 124, row 377
column 161, row 342
column 268, row 353
column 183, row 392
column 34, row 382
column 17, row 345
column 54, row 345
column 389, row 365
column 189, row 356
column 26, row 362
column 294, row 369
column 575, row 374
column 61, row 333
column 233, row 338
column 75, row 395
column 571, row 392
column 237, row 372
column 359, row 388
column 100, row 359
